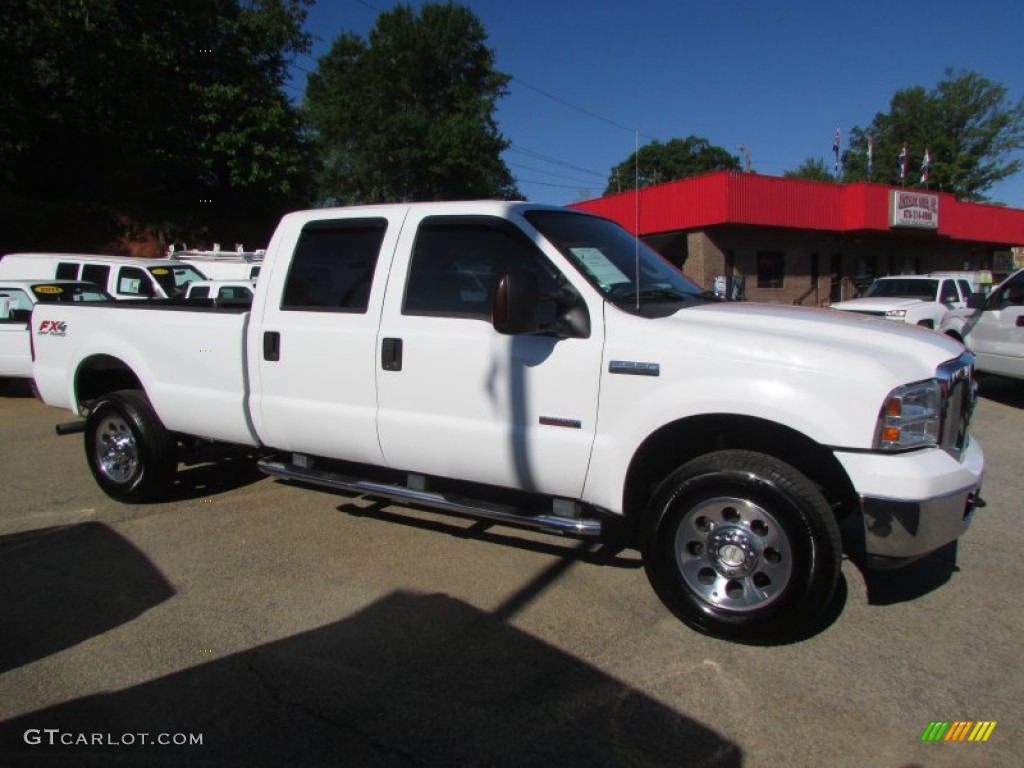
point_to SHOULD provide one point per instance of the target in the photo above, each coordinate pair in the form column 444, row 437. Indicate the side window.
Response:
column 965, row 289
column 949, row 294
column 234, row 292
column 96, row 273
column 199, row 292
column 1012, row 295
column 134, row 281
column 14, row 305
column 333, row 266
column 66, row 270
column 457, row 262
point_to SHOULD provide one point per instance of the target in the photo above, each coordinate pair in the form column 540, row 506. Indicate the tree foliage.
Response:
column 968, row 125
column 155, row 115
column 812, row 169
column 656, row 163
column 409, row 113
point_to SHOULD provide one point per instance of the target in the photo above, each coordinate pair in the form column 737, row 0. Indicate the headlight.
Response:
column 910, row 417
column 896, row 314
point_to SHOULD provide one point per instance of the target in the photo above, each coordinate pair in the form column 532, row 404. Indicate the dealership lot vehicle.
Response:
column 993, row 328
column 266, row 618
column 224, row 265
column 123, row 277
column 913, row 299
column 533, row 366
column 219, row 290
column 17, row 297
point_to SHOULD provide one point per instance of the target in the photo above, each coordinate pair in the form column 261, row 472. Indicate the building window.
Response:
column 770, row 269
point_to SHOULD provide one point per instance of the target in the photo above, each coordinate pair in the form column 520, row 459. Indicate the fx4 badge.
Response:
column 52, row 328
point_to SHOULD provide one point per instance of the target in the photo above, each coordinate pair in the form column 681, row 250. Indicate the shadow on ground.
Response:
column 62, row 586
column 1001, row 389
column 410, row 680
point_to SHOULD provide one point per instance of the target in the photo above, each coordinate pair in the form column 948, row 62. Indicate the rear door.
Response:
column 460, row 400
column 997, row 337
column 315, row 346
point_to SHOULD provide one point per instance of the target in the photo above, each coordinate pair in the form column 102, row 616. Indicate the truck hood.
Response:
column 825, row 373
column 877, row 304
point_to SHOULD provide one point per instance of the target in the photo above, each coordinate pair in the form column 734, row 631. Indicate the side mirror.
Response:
column 976, row 301
column 516, row 302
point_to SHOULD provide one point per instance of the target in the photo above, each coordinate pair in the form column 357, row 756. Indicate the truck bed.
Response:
column 193, row 368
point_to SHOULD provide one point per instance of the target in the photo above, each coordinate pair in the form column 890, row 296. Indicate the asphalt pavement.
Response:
column 247, row 622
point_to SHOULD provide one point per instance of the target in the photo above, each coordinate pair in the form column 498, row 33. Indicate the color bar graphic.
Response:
column 958, row 730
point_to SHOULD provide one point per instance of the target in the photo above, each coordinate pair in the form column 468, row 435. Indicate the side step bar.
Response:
column 578, row 526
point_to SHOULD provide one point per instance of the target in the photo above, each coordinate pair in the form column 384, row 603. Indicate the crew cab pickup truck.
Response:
column 993, row 328
column 913, row 299
column 539, row 367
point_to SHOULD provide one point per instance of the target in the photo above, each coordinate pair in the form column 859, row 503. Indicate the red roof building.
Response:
column 811, row 242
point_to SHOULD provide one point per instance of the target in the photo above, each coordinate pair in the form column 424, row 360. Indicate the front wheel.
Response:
column 741, row 545
column 131, row 454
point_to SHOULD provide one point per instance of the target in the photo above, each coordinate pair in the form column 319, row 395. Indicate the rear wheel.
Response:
column 741, row 545
column 129, row 451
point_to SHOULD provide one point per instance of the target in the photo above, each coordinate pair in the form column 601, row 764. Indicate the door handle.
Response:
column 1020, row 321
column 391, row 355
column 271, row 345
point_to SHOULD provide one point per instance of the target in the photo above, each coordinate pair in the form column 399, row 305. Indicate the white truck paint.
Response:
column 913, row 299
column 993, row 328
column 527, row 364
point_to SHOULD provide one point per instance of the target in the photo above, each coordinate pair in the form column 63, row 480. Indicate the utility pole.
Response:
column 746, row 153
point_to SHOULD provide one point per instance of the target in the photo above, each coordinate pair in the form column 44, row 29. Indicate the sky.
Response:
column 592, row 80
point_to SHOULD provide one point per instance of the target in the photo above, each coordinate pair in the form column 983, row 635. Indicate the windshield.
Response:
column 174, row 279
column 911, row 289
column 63, row 293
column 628, row 272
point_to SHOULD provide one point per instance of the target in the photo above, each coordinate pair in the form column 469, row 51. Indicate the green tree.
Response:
column 409, row 114
column 967, row 124
column 124, row 115
column 812, row 169
column 656, row 163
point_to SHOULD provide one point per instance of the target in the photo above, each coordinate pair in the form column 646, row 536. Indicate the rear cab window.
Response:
column 333, row 265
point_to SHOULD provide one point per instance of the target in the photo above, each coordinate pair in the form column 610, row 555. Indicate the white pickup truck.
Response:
column 993, row 328
column 913, row 299
column 537, row 366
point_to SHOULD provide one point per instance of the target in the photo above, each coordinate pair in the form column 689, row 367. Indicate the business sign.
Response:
column 913, row 209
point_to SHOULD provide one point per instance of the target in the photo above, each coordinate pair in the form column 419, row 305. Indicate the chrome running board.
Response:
column 500, row 513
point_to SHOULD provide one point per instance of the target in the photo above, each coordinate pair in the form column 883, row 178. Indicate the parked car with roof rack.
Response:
column 123, row 277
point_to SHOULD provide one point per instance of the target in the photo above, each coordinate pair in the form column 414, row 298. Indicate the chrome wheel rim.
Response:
column 116, row 450
column 733, row 554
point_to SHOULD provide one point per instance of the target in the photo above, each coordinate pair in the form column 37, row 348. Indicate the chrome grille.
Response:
column 959, row 394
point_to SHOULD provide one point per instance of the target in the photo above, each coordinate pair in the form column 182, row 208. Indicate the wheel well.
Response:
column 954, row 335
column 677, row 443
column 100, row 374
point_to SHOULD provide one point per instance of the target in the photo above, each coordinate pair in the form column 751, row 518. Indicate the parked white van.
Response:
column 122, row 277
column 224, row 265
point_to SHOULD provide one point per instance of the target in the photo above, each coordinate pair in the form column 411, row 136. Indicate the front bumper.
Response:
column 915, row 503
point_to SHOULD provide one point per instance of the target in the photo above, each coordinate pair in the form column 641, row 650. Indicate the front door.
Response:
column 997, row 337
column 458, row 399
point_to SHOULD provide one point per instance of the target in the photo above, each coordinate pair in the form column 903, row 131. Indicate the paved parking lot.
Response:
column 283, row 626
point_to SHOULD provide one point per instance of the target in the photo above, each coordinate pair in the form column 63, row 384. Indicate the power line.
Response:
column 554, row 161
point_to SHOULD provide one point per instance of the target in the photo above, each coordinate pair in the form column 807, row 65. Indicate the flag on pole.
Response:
column 902, row 160
column 871, row 153
column 926, row 166
column 835, row 149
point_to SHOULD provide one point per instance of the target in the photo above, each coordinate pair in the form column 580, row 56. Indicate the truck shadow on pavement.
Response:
column 214, row 469
column 1002, row 390
column 410, row 680
column 64, row 585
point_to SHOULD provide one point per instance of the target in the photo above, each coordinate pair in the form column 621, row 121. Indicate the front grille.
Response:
column 959, row 394
column 869, row 312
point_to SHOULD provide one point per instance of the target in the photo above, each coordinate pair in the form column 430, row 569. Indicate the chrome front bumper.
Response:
column 897, row 530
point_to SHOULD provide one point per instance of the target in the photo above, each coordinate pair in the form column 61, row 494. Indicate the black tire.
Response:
column 129, row 451
column 740, row 545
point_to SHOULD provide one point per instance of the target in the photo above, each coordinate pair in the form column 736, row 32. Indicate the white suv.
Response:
column 912, row 299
